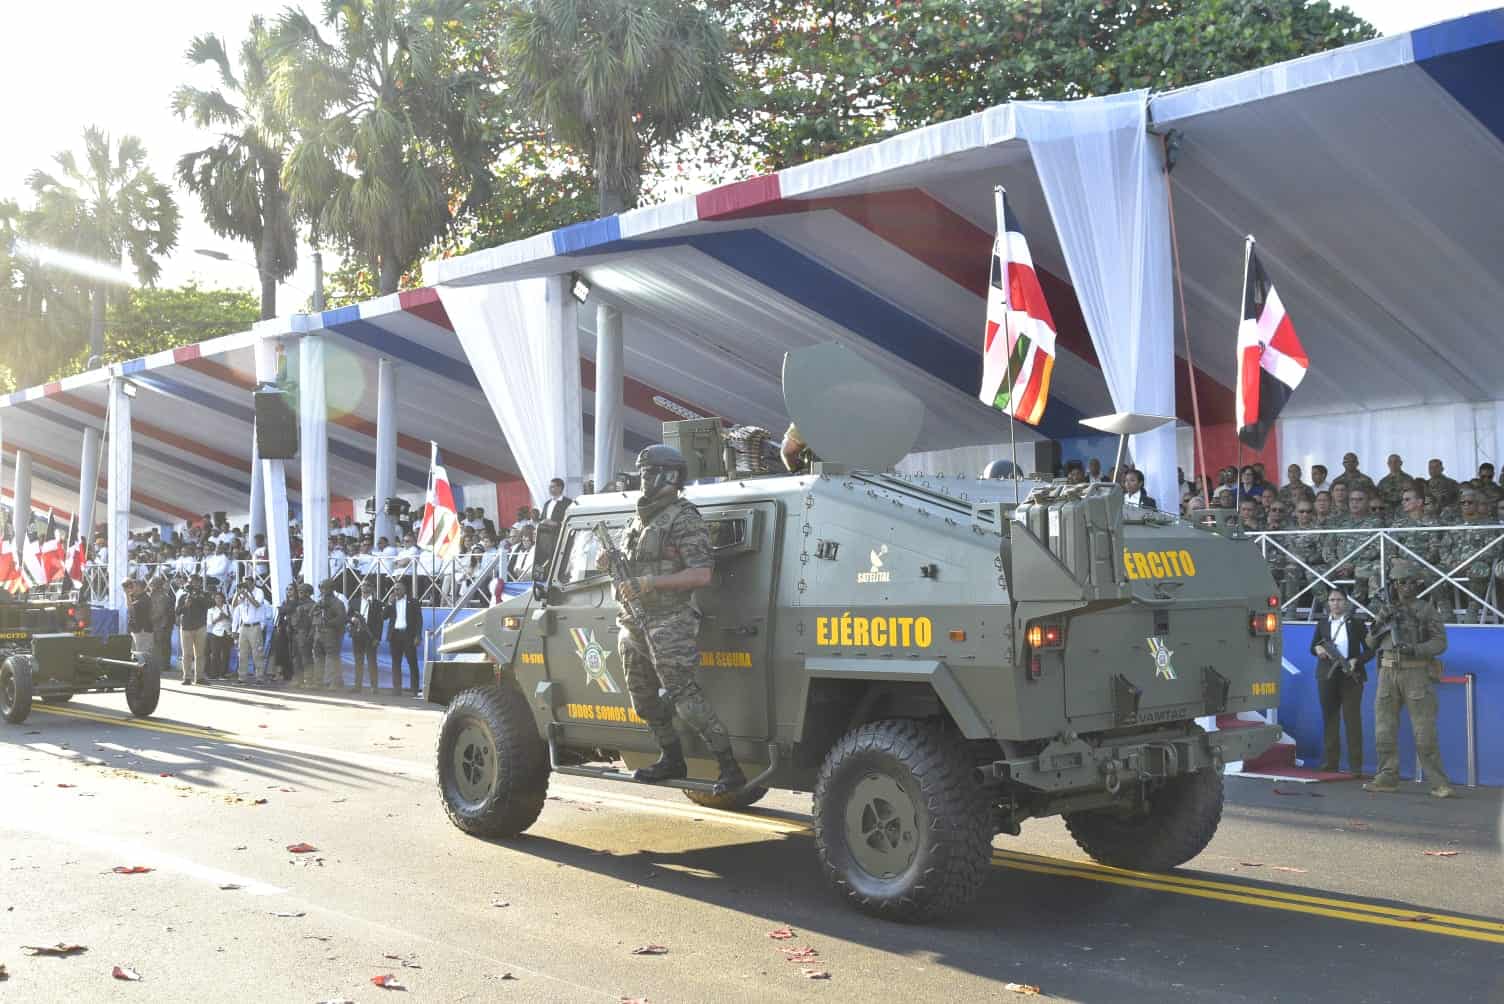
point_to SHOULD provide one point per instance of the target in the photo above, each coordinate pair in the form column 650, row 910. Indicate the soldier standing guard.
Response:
column 329, row 633
column 1410, row 635
column 302, row 635
column 668, row 548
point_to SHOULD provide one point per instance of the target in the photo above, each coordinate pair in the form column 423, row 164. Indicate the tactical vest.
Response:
column 649, row 552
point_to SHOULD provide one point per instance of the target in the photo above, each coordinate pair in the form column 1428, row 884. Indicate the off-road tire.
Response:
column 952, row 824
column 143, row 689
column 15, row 688
column 1182, row 819
column 735, row 801
column 501, row 730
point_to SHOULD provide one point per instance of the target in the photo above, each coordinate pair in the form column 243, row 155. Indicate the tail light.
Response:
column 1264, row 623
column 1043, row 636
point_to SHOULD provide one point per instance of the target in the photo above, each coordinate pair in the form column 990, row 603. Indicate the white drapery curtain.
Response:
column 522, row 340
column 1461, row 436
column 1101, row 172
column 313, row 451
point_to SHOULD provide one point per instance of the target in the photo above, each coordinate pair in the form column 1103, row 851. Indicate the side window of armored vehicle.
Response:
column 581, row 560
column 726, row 534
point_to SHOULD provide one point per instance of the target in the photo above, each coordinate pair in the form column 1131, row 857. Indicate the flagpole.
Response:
column 1242, row 313
column 1185, row 330
column 998, row 195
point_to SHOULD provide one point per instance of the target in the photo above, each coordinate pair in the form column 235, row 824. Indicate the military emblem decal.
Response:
column 1161, row 653
column 876, row 573
column 593, row 657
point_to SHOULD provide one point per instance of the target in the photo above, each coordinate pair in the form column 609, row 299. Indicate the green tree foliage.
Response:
column 151, row 320
column 615, row 80
column 238, row 179
column 392, row 140
column 821, row 76
column 109, row 207
column 43, row 314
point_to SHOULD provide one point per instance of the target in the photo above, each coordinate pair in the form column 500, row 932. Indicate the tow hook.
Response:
column 1112, row 779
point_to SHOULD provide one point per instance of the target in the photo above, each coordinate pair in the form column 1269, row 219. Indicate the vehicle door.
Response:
column 735, row 625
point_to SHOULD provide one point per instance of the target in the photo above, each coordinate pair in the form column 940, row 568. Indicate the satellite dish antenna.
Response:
column 847, row 410
column 1125, row 424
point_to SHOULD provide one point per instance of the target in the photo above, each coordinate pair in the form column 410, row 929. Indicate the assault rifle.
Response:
column 621, row 574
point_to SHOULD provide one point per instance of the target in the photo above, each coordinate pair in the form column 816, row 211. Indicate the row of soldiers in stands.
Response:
column 1472, row 554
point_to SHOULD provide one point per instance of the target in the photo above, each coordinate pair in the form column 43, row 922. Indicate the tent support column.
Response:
column 258, row 492
column 386, row 444
column 273, row 488
column 313, row 448
column 21, row 504
column 88, row 482
column 608, row 392
column 117, row 531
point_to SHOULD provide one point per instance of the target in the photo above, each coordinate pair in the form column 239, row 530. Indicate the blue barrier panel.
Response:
column 103, row 621
column 1470, row 649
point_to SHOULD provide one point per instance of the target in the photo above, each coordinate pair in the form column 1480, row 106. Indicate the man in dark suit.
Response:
column 1340, row 645
column 404, row 617
column 1133, row 490
column 553, row 519
column 367, row 620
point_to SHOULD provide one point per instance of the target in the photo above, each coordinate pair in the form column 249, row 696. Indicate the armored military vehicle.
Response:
column 46, row 652
column 937, row 666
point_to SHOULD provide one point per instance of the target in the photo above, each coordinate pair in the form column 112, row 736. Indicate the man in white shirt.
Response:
column 248, row 617
column 217, row 567
column 1319, row 483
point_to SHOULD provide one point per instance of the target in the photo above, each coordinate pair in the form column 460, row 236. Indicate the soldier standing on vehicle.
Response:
column 1408, row 635
column 328, row 635
column 668, row 549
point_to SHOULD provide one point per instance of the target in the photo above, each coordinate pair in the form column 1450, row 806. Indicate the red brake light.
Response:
column 1273, row 602
column 1264, row 623
column 1045, row 636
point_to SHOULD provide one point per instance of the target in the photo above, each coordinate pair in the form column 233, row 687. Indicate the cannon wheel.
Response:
column 15, row 688
column 143, row 689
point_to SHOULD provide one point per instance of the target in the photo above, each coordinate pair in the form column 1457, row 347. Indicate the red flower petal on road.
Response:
column 388, row 982
column 650, row 950
column 62, row 785
column 165, row 774
column 131, row 869
column 781, row 933
column 125, row 973
column 301, row 848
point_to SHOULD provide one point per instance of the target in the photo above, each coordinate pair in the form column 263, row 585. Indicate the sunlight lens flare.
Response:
column 74, row 264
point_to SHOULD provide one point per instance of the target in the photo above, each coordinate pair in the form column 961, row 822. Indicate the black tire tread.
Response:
column 143, row 699
column 961, row 825
column 521, row 756
column 1183, row 816
column 736, row 801
column 20, row 666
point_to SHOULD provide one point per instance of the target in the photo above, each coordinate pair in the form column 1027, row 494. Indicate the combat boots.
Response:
column 670, row 766
column 732, row 779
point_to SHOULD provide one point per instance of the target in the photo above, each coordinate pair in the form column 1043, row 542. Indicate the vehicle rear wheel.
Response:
column 15, row 688
column 735, row 801
column 493, row 765
column 143, row 689
column 902, row 828
column 1181, row 820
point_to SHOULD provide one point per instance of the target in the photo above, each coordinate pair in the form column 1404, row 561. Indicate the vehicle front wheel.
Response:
column 493, row 765
column 1180, row 820
column 15, row 688
column 902, row 828
column 143, row 689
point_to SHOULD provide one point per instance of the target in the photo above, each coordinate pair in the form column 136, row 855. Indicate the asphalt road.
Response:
column 1315, row 892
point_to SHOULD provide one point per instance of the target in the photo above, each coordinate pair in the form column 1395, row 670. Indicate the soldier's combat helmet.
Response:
column 662, row 469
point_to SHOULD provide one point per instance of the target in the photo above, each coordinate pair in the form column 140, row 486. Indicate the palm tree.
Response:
column 617, row 79
column 110, row 207
column 238, row 180
column 392, row 143
column 42, row 312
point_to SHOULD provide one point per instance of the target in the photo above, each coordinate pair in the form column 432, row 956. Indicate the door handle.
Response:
column 741, row 630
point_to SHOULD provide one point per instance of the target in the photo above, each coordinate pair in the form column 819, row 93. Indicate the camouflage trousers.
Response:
column 299, row 648
column 658, row 691
column 1405, row 683
column 326, row 658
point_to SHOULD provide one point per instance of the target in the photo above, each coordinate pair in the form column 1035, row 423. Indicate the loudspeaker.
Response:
column 1046, row 457
column 276, row 426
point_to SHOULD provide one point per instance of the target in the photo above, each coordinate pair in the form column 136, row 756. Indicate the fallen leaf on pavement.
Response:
column 408, row 963
column 259, row 801
column 815, row 974
column 301, row 848
column 506, row 976
column 1441, row 854
column 131, row 869
column 125, row 973
column 634, row 1000
column 229, row 885
column 337, row 1000
column 287, row 789
column 800, row 954
column 1025, row 989
column 165, row 774
column 1309, row 794
column 1251, row 864
column 650, row 950
column 61, row 948
column 289, row 913
column 500, row 902
column 781, row 933
column 261, row 726
column 1287, row 868
column 3, row 974
column 388, row 982
column 62, row 785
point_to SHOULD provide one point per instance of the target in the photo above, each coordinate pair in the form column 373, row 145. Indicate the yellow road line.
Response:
column 1228, row 892
column 1492, row 926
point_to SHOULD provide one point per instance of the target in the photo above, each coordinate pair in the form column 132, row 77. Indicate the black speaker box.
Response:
column 276, row 426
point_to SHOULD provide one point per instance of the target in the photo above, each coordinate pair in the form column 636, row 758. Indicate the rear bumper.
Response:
column 1078, row 764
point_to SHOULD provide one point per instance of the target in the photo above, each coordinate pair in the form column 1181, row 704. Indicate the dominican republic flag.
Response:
column 440, row 529
column 1018, row 351
column 1271, row 360
column 10, row 571
column 73, row 564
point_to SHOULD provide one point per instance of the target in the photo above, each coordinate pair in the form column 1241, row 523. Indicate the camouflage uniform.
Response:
column 1355, row 480
column 1410, row 636
column 1365, row 563
column 1392, row 489
column 1293, row 493
column 1442, row 492
column 328, row 633
column 1308, row 547
column 1426, row 545
column 302, row 639
column 1462, row 545
column 662, row 540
